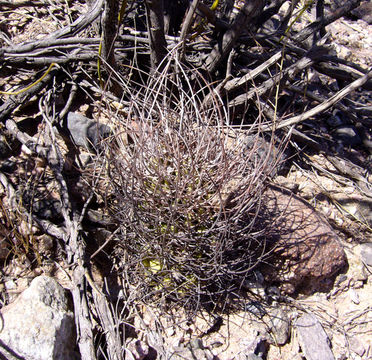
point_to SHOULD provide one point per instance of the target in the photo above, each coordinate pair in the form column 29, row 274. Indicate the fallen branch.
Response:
column 325, row 105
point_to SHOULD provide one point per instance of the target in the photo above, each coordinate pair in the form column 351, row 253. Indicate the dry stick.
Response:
column 301, row 36
column 341, row 72
column 109, row 33
column 320, row 99
column 325, row 105
column 19, row 4
column 186, row 26
column 249, row 10
column 155, row 24
column 236, row 83
column 50, row 228
column 70, row 30
column 114, row 345
column 14, row 101
column 47, row 60
column 11, row 193
column 288, row 73
column 52, row 44
column 76, row 254
column 210, row 15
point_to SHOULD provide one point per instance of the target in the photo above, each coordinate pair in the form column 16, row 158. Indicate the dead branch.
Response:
column 158, row 44
column 14, row 101
column 287, row 74
column 249, row 10
column 326, row 104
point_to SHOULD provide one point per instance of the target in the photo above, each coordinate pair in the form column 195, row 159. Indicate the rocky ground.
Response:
column 307, row 306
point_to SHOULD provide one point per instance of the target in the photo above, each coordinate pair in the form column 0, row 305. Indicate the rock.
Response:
column 252, row 356
column 348, row 135
column 366, row 253
column 356, row 345
column 278, row 323
column 140, row 350
column 38, row 325
column 337, row 119
column 313, row 339
column 354, row 297
column 253, row 342
column 364, row 12
column 193, row 350
column 307, row 252
column 84, row 131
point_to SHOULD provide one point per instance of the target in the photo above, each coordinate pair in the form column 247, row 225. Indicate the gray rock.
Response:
column 348, row 135
column 38, row 325
column 193, row 350
column 279, row 327
column 84, row 131
column 253, row 357
column 337, row 119
column 313, row 339
column 364, row 12
column 366, row 253
column 263, row 151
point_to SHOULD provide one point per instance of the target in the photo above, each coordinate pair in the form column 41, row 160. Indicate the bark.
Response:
column 250, row 9
column 155, row 25
column 110, row 22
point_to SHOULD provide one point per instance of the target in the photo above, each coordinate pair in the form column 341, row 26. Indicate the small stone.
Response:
column 313, row 339
column 10, row 285
column 193, row 350
column 45, row 244
column 366, row 253
column 364, row 12
column 354, row 296
column 348, row 135
column 279, row 327
column 356, row 346
column 255, row 308
column 253, row 356
column 337, row 119
column 308, row 254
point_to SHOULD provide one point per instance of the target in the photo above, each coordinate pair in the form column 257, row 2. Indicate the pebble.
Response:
column 348, row 135
column 354, row 296
column 279, row 327
column 313, row 339
column 366, row 253
column 337, row 119
column 357, row 346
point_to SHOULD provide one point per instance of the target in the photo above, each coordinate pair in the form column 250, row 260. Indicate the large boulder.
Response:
column 38, row 325
column 307, row 253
